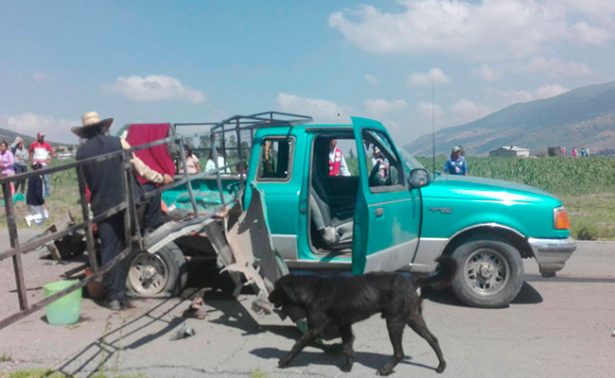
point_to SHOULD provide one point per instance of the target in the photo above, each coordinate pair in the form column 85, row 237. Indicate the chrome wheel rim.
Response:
column 148, row 274
column 486, row 271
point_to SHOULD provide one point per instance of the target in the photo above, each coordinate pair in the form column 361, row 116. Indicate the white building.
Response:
column 510, row 151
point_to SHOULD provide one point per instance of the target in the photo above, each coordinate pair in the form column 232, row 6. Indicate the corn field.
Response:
column 557, row 175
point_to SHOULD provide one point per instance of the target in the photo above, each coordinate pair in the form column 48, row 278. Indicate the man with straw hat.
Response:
column 104, row 179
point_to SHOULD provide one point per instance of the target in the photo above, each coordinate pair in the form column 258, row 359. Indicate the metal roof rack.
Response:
column 253, row 121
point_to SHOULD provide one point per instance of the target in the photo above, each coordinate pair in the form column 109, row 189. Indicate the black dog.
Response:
column 338, row 302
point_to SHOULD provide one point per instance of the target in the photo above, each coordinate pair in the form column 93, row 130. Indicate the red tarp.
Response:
column 157, row 157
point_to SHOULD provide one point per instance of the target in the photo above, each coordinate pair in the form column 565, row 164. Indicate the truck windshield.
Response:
column 409, row 161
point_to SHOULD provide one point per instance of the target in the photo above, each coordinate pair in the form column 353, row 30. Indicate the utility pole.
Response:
column 433, row 125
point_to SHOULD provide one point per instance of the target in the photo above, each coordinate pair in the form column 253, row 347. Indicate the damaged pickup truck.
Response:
column 386, row 212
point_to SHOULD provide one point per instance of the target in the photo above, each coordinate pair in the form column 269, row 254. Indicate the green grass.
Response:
column 258, row 374
column 33, row 373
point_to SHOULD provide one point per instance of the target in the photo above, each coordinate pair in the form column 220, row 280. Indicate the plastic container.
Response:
column 64, row 310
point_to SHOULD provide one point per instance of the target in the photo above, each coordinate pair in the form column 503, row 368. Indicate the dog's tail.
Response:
column 442, row 277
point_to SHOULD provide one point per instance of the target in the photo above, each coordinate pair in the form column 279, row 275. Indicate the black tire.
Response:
column 162, row 274
column 490, row 273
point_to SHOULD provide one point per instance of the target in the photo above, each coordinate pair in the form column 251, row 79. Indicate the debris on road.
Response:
column 184, row 332
column 196, row 309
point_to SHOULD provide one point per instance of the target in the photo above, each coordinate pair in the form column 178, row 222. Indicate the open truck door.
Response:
column 387, row 215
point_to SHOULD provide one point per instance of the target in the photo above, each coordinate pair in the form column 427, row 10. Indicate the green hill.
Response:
column 581, row 117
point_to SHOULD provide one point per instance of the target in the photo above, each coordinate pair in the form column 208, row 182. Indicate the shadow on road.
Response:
column 527, row 295
column 93, row 358
column 371, row 360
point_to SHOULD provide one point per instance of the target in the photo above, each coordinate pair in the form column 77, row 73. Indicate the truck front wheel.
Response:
column 490, row 273
column 161, row 274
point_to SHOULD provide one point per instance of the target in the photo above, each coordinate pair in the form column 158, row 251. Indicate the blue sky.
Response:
column 184, row 61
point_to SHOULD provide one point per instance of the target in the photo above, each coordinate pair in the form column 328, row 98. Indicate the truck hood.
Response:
column 478, row 188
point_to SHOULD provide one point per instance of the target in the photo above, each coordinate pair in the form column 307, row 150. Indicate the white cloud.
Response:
column 487, row 73
column 56, row 129
column 555, row 67
column 478, row 29
column 545, row 91
column 379, row 106
column 154, row 88
column 591, row 34
column 429, row 109
column 467, row 110
column 601, row 10
column 549, row 90
column 321, row 110
column 370, row 79
column 434, row 75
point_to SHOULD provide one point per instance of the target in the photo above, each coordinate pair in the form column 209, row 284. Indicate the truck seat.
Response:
column 336, row 233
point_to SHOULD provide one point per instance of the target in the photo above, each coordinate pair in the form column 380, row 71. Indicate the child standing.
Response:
column 37, row 209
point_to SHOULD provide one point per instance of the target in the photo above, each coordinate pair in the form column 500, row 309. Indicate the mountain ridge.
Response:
column 583, row 116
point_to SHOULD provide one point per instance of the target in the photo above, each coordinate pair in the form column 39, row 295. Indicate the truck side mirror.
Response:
column 419, row 177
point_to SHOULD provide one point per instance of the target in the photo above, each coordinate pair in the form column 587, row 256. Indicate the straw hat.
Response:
column 91, row 121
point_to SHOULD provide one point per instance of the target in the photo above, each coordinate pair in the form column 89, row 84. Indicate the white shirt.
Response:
column 211, row 166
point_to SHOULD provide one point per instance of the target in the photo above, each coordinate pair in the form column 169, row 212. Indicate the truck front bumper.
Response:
column 551, row 254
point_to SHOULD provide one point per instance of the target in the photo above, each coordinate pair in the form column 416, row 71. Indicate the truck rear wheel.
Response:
column 490, row 273
column 161, row 274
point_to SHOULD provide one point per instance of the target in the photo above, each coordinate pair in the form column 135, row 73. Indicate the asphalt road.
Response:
column 558, row 327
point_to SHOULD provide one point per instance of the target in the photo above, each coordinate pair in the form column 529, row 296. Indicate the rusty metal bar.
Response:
column 85, row 212
column 182, row 154
column 127, row 171
column 17, row 263
column 214, row 155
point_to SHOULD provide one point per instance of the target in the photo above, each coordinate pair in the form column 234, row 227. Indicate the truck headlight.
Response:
column 561, row 221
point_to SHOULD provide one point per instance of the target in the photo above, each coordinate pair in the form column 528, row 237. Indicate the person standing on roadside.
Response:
column 456, row 163
column 41, row 152
column 7, row 162
column 22, row 158
column 105, row 181
column 337, row 163
column 37, row 209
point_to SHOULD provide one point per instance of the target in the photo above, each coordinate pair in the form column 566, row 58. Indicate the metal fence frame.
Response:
column 134, row 242
column 131, row 226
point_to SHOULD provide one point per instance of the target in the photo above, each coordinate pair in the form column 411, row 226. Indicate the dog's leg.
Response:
column 417, row 323
column 396, row 331
column 348, row 339
column 307, row 338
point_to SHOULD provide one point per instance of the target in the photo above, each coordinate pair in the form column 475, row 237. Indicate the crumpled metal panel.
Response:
column 252, row 251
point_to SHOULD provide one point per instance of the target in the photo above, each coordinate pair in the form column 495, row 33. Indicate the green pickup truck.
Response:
column 376, row 208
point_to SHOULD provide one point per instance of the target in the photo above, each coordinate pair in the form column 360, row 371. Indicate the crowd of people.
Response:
column 575, row 152
column 16, row 159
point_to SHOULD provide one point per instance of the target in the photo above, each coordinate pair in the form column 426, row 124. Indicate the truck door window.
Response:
column 274, row 163
column 383, row 164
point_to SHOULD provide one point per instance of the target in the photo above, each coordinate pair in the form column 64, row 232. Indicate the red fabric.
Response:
column 336, row 163
column 157, row 157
